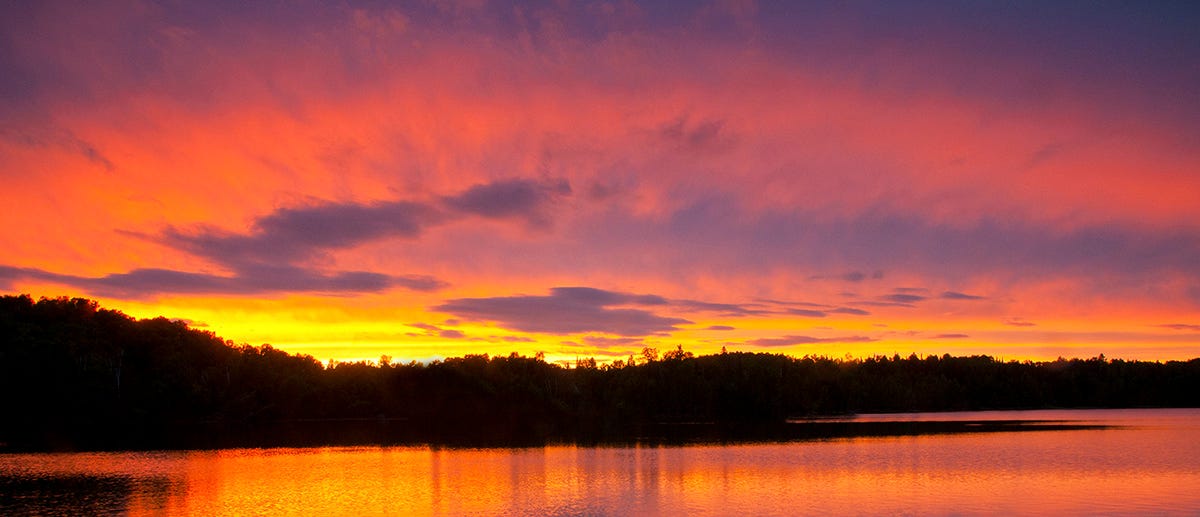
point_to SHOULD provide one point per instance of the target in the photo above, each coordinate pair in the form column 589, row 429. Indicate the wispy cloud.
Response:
column 850, row 311
column 903, row 298
column 874, row 303
column 60, row 138
column 298, row 233
column 725, row 309
column 1013, row 249
column 697, row 136
column 807, row 313
column 272, row 257
column 568, row 310
column 442, row 332
column 791, row 340
column 523, row 199
column 144, row 283
column 1181, row 326
column 954, row 295
column 1019, row 322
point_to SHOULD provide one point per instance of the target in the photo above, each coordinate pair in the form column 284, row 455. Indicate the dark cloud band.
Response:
column 807, row 340
column 272, row 256
column 568, row 310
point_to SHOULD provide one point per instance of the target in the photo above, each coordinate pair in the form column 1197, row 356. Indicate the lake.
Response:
column 1115, row 462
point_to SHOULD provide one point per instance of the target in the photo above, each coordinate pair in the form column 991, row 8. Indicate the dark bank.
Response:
column 74, row 376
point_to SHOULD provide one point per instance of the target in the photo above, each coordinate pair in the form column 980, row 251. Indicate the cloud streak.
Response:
column 792, row 340
column 954, row 295
column 568, row 310
column 295, row 234
column 521, row 199
column 270, row 257
column 149, row 283
column 298, row 233
column 1181, row 326
column 1012, row 250
column 1019, row 322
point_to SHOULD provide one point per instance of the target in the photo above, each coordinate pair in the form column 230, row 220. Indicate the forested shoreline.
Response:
column 73, row 374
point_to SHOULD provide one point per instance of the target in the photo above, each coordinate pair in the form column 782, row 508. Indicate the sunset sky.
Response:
column 430, row 179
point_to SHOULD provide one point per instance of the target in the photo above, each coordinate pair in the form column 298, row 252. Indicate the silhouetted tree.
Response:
column 72, row 372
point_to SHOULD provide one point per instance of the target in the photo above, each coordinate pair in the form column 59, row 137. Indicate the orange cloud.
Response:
column 443, row 162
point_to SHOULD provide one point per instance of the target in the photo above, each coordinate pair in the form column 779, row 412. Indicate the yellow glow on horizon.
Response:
column 400, row 326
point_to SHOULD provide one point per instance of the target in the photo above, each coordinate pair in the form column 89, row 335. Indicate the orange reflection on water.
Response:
column 1147, row 465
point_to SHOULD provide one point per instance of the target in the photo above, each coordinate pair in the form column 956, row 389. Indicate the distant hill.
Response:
column 75, row 375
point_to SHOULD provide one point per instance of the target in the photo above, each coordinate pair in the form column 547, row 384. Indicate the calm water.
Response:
column 1148, row 464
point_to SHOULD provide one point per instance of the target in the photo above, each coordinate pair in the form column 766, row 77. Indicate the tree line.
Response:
column 71, row 371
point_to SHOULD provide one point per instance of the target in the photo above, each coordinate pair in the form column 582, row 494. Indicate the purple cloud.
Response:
column 727, row 309
column 270, row 257
column 54, row 137
column 434, row 330
column 871, row 303
column 737, row 237
column 807, row 340
column 807, row 313
column 702, row 136
column 854, row 276
column 901, row 298
column 1181, row 326
column 850, row 276
column 144, row 283
column 591, row 295
column 795, row 304
column 850, row 310
column 954, row 295
column 524, row 199
column 567, row 310
column 1019, row 322
column 299, row 233
column 8, row 274
column 292, row 234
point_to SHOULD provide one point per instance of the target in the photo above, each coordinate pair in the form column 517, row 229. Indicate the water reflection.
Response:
column 66, row 495
column 1147, row 462
column 85, row 484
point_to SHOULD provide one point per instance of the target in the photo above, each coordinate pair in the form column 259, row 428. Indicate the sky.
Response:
column 431, row 179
